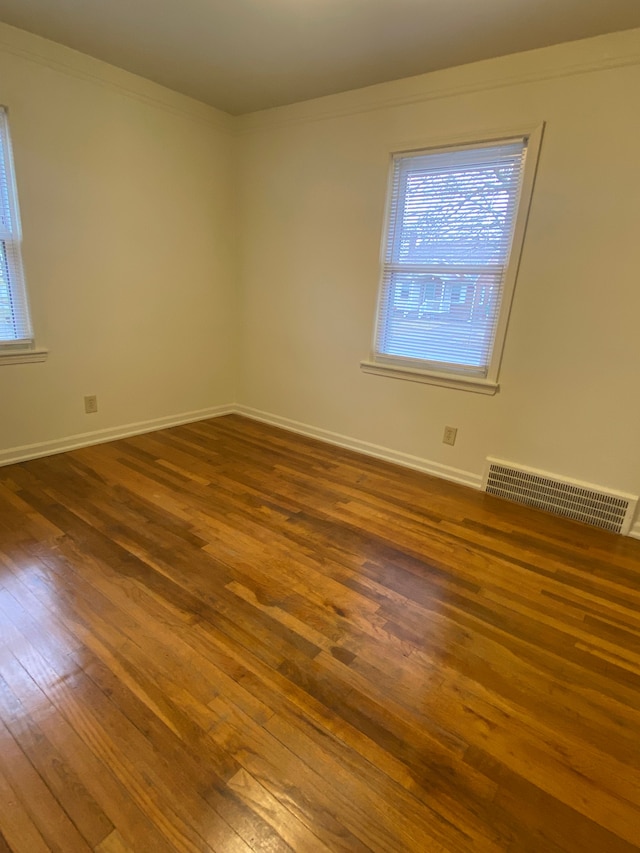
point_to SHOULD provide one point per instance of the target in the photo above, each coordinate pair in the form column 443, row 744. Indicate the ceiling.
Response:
column 246, row 55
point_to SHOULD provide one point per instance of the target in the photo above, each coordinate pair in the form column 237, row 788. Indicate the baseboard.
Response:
column 84, row 439
column 73, row 442
column 427, row 466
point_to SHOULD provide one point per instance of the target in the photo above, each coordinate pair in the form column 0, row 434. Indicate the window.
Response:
column 16, row 336
column 455, row 224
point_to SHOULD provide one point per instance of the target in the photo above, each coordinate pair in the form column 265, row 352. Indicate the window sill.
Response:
column 445, row 380
column 23, row 357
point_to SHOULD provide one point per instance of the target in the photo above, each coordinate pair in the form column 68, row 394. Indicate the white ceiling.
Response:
column 246, row 55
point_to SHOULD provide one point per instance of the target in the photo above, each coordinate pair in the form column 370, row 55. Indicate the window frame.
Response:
column 414, row 369
column 23, row 349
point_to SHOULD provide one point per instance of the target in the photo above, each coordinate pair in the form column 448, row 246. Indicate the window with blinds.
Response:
column 15, row 323
column 455, row 222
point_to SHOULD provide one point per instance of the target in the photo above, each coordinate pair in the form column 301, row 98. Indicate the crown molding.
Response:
column 65, row 60
column 602, row 53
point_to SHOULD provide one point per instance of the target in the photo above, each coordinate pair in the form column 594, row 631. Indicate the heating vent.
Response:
column 581, row 501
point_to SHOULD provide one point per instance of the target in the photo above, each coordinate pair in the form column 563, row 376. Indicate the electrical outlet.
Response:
column 450, row 434
column 91, row 404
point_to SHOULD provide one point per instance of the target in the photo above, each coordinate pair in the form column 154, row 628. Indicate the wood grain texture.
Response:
column 225, row 637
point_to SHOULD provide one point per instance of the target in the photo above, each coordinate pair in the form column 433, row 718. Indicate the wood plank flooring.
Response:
column 225, row 637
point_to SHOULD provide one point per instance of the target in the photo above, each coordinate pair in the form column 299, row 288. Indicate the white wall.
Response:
column 313, row 190
column 129, row 247
column 134, row 267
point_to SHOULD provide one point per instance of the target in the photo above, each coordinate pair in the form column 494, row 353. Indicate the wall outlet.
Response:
column 450, row 434
column 91, row 404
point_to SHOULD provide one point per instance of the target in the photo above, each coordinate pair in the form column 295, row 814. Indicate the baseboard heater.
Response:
column 561, row 496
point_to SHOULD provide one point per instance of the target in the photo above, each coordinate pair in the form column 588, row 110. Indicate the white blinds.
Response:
column 450, row 227
column 15, row 325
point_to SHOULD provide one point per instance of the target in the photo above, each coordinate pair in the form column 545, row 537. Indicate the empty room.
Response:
column 319, row 426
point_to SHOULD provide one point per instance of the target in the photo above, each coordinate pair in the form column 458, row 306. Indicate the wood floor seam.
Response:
column 223, row 636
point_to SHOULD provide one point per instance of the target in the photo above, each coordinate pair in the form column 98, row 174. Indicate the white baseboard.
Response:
column 84, row 439
column 427, row 466
column 72, row 442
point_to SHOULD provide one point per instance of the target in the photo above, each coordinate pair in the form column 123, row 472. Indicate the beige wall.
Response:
column 313, row 190
column 150, row 294
column 126, row 198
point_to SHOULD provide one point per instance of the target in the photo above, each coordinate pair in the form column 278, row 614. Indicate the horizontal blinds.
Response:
column 450, row 228
column 15, row 325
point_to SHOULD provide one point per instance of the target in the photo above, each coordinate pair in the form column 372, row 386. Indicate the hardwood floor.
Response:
column 226, row 637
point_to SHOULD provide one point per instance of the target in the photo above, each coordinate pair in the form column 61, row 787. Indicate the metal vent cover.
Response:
column 584, row 502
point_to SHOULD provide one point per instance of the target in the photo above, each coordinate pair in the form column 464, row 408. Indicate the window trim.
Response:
column 413, row 369
column 22, row 356
column 430, row 377
column 22, row 350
